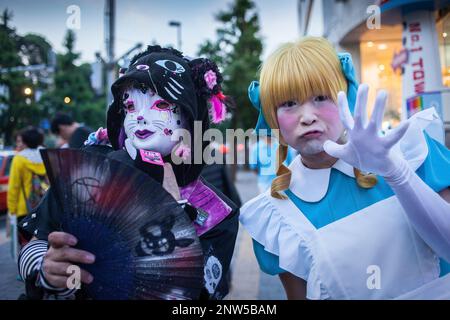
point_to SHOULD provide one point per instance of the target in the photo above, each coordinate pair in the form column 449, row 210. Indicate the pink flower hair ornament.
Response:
column 210, row 79
column 102, row 134
column 100, row 137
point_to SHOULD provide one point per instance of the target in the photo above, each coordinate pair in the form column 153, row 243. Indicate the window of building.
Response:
column 377, row 72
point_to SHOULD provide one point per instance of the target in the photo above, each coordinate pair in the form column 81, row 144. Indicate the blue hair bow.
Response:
column 253, row 95
column 349, row 72
column 352, row 88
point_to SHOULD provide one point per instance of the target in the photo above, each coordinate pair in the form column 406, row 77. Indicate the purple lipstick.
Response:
column 143, row 134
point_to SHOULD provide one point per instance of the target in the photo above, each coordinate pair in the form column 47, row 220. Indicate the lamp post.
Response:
column 177, row 24
column 28, row 91
column 110, row 31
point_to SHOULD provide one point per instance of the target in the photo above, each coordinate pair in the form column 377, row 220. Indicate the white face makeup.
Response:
column 150, row 121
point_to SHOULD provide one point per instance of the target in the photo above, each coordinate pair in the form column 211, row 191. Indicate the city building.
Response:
column 402, row 46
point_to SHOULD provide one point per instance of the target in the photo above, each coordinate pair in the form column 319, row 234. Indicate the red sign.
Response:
column 415, row 31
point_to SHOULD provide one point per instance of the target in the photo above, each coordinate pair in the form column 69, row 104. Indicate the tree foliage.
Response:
column 237, row 50
column 51, row 89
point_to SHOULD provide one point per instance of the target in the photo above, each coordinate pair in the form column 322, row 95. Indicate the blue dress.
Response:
column 345, row 198
column 263, row 158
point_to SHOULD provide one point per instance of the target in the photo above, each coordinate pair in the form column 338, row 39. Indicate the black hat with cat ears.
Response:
column 190, row 84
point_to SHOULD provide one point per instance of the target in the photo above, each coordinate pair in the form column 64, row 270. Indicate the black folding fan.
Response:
column 144, row 243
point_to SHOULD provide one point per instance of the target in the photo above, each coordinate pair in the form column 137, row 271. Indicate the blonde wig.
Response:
column 298, row 71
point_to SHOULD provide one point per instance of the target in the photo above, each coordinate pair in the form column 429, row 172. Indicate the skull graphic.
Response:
column 213, row 274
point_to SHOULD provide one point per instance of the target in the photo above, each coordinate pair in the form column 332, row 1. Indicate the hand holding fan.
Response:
column 144, row 243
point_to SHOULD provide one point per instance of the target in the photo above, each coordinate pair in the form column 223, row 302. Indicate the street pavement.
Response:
column 10, row 287
column 248, row 282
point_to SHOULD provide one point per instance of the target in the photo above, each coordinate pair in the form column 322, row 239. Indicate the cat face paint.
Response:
column 150, row 121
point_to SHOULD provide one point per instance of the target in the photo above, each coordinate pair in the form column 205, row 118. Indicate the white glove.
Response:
column 427, row 211
column 366, row 150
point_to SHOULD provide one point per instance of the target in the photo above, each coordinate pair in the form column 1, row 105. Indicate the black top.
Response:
column 79, row 136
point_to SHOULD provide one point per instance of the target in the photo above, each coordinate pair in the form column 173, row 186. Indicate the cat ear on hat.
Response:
column 122, row 71
column 207, row 79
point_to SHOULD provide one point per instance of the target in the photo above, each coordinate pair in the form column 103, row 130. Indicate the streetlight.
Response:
column 67, row 100
column 177, row 24
column 28, row 91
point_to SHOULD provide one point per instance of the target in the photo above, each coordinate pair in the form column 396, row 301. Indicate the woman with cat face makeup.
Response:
column 161, row 93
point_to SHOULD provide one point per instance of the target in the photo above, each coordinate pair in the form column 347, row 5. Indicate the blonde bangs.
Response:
column 298, row 71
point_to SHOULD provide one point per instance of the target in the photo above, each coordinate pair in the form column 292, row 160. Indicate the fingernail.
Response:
column 89, row 258
column 72, row 241
column 90, row 278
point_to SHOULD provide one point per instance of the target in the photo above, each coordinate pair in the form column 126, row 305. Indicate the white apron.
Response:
column 373, row 253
